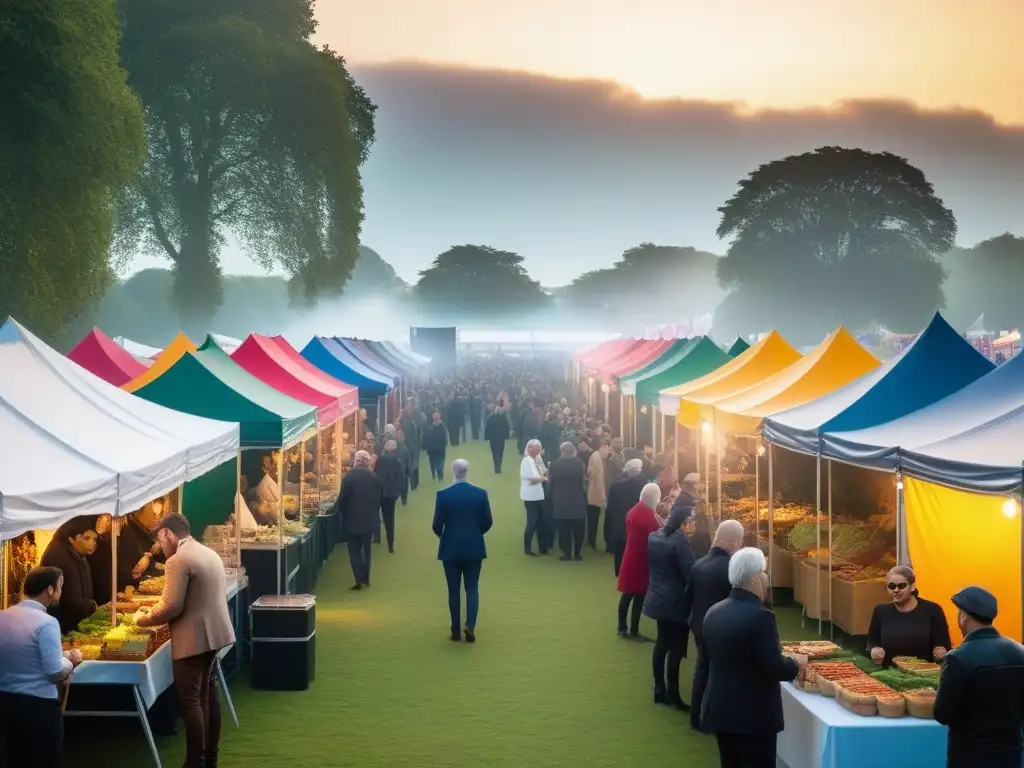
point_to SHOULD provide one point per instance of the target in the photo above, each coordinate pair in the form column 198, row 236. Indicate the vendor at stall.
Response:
column 69, row 550
column 264, row 496
column 909, row 625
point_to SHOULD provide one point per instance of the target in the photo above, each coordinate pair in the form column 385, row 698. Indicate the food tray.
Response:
column 812, row 649
column 284, row 602
column 915, row 666
column 920, row 703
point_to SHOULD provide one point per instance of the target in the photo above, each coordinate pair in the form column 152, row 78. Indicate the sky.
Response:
column 571, row 130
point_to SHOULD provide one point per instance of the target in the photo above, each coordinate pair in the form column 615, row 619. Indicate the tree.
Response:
column 987, row 279
column 476, row 283
column 657, row 283
column 833, row 236
column 252, row 130
column 71, row 135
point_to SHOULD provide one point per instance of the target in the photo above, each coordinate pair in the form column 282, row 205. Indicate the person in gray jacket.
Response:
column 567, row 487
column 669, row 560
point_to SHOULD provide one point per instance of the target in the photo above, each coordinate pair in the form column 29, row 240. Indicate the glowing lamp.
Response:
column 605, row 388
column 643, row 409
column 899, row 485
column 706, row 426
column 761, row 450
column 1010, row 508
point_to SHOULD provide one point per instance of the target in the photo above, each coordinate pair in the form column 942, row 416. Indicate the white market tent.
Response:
column 72, row 444
column 137, row 350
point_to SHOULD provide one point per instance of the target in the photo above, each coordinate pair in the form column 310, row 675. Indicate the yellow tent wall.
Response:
column 174, row 352
column 958, row 539
column 766, row 358
column 835, row 362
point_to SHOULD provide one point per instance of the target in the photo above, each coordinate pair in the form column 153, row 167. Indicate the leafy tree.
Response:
column 656, row 283
column 476, row 282
column 71, row 135
column 253, row 130
column 987, row 279
column 833, row 236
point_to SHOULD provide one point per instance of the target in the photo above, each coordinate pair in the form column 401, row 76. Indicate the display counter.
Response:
column 821, row 734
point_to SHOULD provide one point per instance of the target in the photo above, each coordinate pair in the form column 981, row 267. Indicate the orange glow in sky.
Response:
column 767, row 53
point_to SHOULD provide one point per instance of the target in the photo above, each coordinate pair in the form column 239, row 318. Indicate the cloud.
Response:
column 570, row 173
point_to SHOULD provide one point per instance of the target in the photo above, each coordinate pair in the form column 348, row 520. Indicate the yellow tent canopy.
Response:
column 837, row 361
column 179, row 346
column 766, row 358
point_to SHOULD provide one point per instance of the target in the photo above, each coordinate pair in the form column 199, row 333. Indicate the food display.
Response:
column 812, row 649
column 916, row 666
column 887, row 693
column 154, row 585
column 98, row 641
column 23, row 555
column 866, row 696
column 920, row 703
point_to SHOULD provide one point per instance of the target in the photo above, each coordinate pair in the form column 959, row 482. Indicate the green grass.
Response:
column 548, row 683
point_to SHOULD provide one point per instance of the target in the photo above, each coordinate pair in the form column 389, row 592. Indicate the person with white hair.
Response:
column 708, row 585
column 567, row 487
column 462, row 515
column 358, row 507
column 532, row 477
column 622, row 497
column 742, row 704
column 634, row 576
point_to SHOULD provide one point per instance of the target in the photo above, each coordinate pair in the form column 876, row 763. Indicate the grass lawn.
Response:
column 548, row 684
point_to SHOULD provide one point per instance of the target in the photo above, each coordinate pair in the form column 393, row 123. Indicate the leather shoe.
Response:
column 470, row 635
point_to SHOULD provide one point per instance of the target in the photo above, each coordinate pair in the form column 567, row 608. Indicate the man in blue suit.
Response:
column 462, row 515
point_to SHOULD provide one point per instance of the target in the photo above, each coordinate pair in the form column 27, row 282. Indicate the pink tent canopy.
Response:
column 101, row 355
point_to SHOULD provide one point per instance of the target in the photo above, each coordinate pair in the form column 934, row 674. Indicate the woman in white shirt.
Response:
column 532, row 475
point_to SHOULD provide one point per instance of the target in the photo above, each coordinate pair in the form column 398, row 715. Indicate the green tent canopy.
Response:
column 209, row 383
column 738, row 347
column 698, row 358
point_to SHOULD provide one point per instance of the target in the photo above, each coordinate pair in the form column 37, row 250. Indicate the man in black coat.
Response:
column 392, row 479
column 358, row 505
column 476, row 405
column 622, row 497
column 742, row 705
column 981, row 689
column 689, row 496
column 496, row 433
column 567, row 486
column 708, row 584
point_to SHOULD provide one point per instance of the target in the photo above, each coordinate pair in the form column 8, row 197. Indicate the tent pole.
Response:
column 302, row 475
column 757, row 491
column 771, row 522
column 679, row 467
column 238, row 521
column 899, row 518
column 831, row 624
column 280, row 514
column 718, row 465
column 817, row 540
column 707, row 465
column 654, row 430
column 1020, row 517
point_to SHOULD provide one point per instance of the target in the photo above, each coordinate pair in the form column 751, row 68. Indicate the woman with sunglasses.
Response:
column 909, row 625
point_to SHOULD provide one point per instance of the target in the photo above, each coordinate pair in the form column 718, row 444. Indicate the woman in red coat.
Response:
column 641, row 521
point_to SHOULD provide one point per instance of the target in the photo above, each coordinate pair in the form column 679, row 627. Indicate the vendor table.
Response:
column 146, row 680
column 821, row 734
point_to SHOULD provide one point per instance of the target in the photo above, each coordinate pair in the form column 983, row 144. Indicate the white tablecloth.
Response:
column 821, row 734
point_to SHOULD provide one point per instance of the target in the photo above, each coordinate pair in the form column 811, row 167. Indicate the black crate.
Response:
column 283, row 638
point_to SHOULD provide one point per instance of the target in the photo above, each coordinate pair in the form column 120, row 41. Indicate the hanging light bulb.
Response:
column 706, row 426
column 605, row 388
column 761, row 450
column 643, row 409
column 1010, row 508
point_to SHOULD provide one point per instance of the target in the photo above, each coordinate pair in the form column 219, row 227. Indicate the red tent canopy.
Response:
column 101, row 355
column 325, row 378
column 267, row 361
column 596, row 365
column 605, row 348
column 643, row 354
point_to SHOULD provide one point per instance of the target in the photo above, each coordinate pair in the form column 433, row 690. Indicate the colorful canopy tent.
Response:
column 677, row 347
column 395, row 359
column 180, row 346
column 227, row 343
column 644, row 353
column 99, row 354
column 75, row 445
column 334, row 360
column 837, row 361
column 863, row 423
column 368, row 359
column 594, row 362
column 293, row 354
column 602, row 350
column 738, row 347
column 699, row 357
column 764, row 359
column 208, row 383
column 422, row 361
column 137, row 350
column 263, row 358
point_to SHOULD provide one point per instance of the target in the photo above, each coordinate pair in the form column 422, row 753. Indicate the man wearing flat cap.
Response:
column 981, row 689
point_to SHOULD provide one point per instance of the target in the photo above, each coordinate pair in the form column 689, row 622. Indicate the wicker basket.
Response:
column 920, row 704
column 815, row 604
column 853, row 602
column 891, row 706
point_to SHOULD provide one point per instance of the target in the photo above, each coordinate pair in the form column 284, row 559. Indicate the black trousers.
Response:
column 414, row 478
column 618, row 550
column 570, row 537
column 360, row 550
column 700, row 684
column 34, row 730
column 741, row 751
column 545, row 527
column 534, row 519
column 436, row 459
column 668, row 654
column 455, row 430
column 474, row 424
column 593, row 519
column 387, row 513
column 634, row 615
column 497, row 453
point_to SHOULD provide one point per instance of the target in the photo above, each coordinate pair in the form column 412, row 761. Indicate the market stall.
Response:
column 275, row 541
column 99, row 354
column 333, row 359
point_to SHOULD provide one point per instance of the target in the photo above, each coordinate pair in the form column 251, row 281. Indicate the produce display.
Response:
column 98, row 641
column 23, row 558
column 916, row 666
column 154, row 585
column 812, row 649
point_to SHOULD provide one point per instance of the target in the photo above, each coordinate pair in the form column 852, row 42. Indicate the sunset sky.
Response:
column 571, row 130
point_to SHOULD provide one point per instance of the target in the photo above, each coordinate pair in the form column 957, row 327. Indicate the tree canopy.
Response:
column 987, row 279
column 657, row 283
column 252, row 130
column 475, row 282
column 71, row 134
column 829, row 237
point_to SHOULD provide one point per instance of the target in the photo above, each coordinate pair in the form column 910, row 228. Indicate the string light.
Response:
column 1010, row 508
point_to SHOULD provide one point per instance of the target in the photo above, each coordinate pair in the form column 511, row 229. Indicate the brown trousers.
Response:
column 200, row 708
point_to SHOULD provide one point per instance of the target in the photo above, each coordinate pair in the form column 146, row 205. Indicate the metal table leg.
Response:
column 141, row 707
column 227, row 694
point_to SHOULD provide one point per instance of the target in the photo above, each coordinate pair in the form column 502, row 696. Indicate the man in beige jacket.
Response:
column 194, row 605
column 597, row 491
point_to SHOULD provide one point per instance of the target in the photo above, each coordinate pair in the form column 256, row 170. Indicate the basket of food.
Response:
column 812, row 649
column 920, row 703
column 827, row 673
column 915, row 666
column 861, row 696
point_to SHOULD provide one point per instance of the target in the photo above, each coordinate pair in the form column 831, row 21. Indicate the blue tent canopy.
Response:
column 368, row 359
column 938, row 363
column 334, row 360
